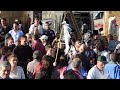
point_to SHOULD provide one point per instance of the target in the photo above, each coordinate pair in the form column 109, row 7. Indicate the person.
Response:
column 111, row 65
column 44, row 39
column 75, row 71
column 16, row 71
column 36, row 24
column 16, row 33
column 111, row 43
column 24, row 53
column 60, row 68
column 10, row 43
column 20, row 26
column 116, row 70
column 5, row 68
column 48, row 32
column 43, row 70
column 29, row 39
column 36, row 45
column 4, row 51
column 37, row 57
column 98, row 71
column 28, row 21
column 5, row 27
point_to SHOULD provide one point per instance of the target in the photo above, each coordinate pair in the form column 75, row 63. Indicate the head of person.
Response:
column 13, row 60
column 10, row 41
column 3, row 21
column 44, row 39
column 99, row 45
column 15, row 26
column 115, row 37
column 36, row 21
column 61, row 44
column 113, row 57
column 4, row 50
column 101, row 61
column 5, row 68
column 82, row 48
column 35, row 37
column 29, row 37
column 49, row 50
column 46, row 26
column 109, row 37
column 37, row 55
column 45, row 62
column 77, row 43
column 23, row 40
column 76, row 63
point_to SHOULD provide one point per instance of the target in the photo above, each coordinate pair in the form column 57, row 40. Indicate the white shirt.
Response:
column 31, row 29
column 19, row 74
column 94, row 73
column 16, row 35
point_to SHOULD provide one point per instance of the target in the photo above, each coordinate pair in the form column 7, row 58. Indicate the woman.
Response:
column 60, row 68
column 16, row 71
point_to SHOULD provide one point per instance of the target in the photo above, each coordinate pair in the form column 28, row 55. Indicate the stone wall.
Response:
column 55, row 15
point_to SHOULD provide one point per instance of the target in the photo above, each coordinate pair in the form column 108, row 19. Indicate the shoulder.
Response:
column 10, row 31
column 92, row 70
column 19, row 68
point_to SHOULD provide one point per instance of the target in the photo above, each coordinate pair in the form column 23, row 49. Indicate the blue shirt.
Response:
column 16, row 35
column 110, row 67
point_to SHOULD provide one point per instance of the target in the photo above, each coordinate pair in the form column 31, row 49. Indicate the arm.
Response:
column 22, row 73
column 31, row 29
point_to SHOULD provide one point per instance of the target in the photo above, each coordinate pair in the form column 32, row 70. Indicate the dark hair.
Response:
column 3, row 19
column 36, row 37
column 63, row 62
column 16, row 23
column 110, row 36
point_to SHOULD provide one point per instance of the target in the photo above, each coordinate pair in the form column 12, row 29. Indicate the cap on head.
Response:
column 44, row 37
column 102, row 59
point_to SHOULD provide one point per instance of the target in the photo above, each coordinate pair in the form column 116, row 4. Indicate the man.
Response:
column 111, row 65
column 48, row 32
column 35, row 25
column 28, row 21
column 16, row 33
column 23, row 52
column 5, row 27
column 29, row 39
column 98, row 71
column 37, row 45
column 37, row 57
column 75, row 71
column 5, row 68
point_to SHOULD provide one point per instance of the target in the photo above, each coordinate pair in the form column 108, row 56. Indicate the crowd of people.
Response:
column 32, row 55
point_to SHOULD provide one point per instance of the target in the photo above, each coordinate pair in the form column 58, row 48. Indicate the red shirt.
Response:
column 38, row 46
